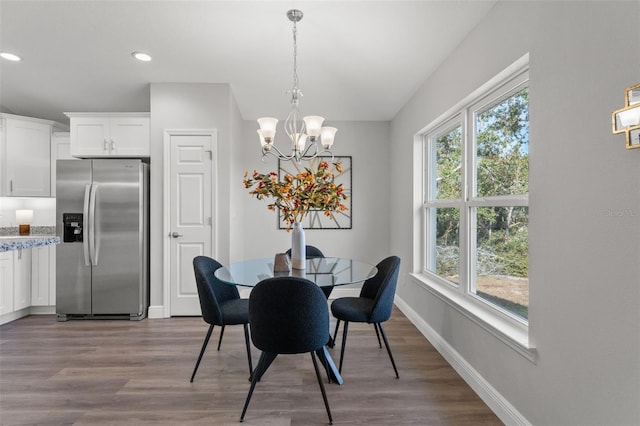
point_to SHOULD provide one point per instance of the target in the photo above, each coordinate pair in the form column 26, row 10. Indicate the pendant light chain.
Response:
column 296, row 89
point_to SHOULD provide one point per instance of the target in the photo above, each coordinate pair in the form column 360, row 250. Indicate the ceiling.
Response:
column 357, row 60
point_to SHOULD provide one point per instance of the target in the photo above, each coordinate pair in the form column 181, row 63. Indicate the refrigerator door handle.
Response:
column 85, row 227
column 92, row 224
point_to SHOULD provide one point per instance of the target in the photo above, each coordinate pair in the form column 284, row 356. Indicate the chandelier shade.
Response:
column 299, row 132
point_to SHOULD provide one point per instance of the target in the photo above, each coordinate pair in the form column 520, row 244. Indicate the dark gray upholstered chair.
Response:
column 374, row 305
column 312, row 252
column 287, row 315
column 220, row 304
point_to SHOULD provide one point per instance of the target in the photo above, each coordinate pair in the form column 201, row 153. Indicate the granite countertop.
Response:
column 10, row 240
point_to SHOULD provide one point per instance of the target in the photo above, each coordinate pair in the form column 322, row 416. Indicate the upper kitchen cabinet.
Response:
column 25, row 145
column 95, row 135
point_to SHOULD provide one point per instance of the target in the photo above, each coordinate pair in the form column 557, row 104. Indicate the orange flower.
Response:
column 296, row 195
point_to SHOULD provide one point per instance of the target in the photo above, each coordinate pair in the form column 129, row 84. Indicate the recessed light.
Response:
column 10, row 56
column 141, row 56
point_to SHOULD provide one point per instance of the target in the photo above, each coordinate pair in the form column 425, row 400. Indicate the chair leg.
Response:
column 324, row 394
column 335, row 333
column 266, row 358
column 248, row 343
column 204, row 346
column 386, row 343
column 375, row 326
column 344, row 343
column 220, row 339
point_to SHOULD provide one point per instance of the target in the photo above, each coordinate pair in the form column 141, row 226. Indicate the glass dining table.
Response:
column 324, row 271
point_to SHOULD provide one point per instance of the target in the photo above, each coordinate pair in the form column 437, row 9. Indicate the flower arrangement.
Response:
column 311, row 189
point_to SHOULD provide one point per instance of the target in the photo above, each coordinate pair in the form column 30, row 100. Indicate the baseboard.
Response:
column 496, row 402
column 155, row 312
column 42, row 310
column 12, row 316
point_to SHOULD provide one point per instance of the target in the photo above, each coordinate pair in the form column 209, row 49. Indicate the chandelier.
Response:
column 299, row 132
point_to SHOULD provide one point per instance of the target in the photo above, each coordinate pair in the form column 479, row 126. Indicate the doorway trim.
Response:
column 166, row 207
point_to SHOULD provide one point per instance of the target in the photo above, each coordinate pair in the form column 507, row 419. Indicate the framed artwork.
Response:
column 316, row 219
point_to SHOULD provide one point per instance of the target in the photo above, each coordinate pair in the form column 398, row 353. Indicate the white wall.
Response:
column 584, row 215
column 44, row 210
column 187, row 106
column 368, row 144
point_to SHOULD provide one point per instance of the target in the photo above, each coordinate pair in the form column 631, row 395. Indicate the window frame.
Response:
column 507, row 326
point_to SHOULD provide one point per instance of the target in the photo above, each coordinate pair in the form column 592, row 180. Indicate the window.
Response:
column 476, row 204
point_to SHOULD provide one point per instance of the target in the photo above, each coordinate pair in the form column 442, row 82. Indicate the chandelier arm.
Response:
column 278, row 153
column 318, row 154
column 327, row 151
column 306, row 155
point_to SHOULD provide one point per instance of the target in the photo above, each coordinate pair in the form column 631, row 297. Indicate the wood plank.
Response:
column 89, row 372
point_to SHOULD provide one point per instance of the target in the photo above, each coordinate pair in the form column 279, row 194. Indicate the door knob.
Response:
column 175, row 235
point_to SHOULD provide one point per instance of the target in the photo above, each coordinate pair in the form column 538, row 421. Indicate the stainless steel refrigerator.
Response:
column 102, row 265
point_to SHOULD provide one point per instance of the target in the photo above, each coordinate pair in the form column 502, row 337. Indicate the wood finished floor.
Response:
column 104, row 372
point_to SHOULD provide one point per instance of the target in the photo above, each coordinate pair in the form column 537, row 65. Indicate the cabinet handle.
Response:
column 11, row 186
column 113, row 145
column 106, row 145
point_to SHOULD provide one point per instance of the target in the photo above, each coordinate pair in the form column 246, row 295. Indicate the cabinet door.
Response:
column 52, row 275
column 60, row 150
column 21, row 279
column 6, row 282
column 40, row 276
column 28, row 158
column 90, row 137
column 130, row 136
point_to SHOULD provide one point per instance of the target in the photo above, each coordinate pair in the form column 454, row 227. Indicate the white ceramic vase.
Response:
column 298, row 247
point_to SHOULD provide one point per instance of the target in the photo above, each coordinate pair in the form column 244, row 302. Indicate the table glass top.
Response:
column 324, row 271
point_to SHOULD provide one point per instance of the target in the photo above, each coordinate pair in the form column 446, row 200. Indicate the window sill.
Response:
column 513, row 336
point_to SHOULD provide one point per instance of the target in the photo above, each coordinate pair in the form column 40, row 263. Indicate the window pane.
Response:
column 502, row 147
column 449, row 165
column 447, row 248
column 502, row 258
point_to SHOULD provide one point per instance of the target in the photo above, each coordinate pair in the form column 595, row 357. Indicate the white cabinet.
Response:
column 60, row 150
column 27, row 282
column 109, row 134
column 43, row 276
column 21, row 279
column 26, row 159
column 6, row 282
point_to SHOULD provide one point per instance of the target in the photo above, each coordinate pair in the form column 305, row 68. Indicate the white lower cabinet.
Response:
column 43, row 277
column 6, row 282
column 27, row 280
column 21, row 279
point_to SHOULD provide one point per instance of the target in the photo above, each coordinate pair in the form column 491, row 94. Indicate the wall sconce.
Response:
column 627, row 119
column 24, row 219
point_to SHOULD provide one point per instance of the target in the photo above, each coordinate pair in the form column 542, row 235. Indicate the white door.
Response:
column 191, row 162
